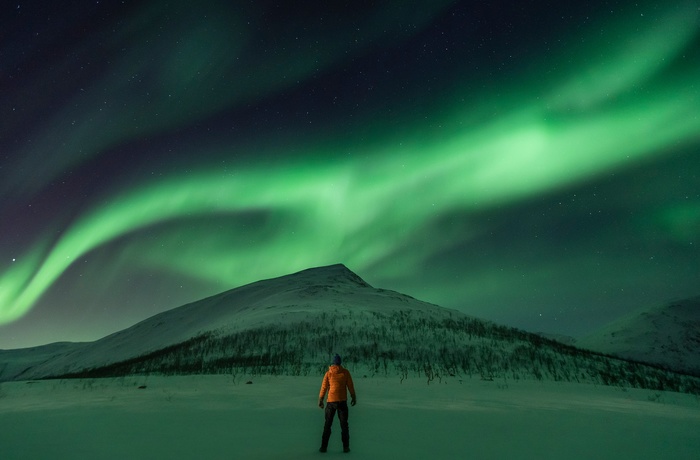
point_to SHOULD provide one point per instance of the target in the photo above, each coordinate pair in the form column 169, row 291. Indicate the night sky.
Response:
column 535, row 163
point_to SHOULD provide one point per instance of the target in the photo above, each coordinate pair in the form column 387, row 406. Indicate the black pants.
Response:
column 342, row 408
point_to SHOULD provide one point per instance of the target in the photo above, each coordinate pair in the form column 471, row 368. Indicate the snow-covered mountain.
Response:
column 289, row 298
column 16, row 363
column 668, row 336
column 293, row 325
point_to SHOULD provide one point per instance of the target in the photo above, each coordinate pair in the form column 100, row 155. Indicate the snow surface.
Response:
column 210, row 417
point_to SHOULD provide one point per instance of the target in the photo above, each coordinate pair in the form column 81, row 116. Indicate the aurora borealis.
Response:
column 535, row 164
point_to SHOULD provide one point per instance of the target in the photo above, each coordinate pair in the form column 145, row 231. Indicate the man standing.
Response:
column 336, row 382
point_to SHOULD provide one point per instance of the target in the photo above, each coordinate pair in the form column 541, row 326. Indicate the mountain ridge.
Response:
column 286, row 298
column 667, row 335
column 293, row 324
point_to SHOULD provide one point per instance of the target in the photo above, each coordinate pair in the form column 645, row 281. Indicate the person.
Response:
column 336, row 383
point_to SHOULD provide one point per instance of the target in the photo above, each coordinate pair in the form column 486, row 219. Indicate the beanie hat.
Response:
column 336, row 359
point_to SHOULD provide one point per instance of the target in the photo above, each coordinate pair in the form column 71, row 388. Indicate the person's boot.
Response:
column 346, row 449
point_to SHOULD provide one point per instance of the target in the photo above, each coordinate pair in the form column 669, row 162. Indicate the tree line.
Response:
column 406, row 344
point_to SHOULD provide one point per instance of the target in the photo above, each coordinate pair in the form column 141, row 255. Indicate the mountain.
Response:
column 293, row 324
column 16, row 363
column 668, row 336
column 289, row 298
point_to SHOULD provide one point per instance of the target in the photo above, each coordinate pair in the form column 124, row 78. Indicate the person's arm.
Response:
column 351, row 387
column 325, row 385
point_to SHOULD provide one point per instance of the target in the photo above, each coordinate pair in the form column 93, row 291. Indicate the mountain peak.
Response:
column 328, row 275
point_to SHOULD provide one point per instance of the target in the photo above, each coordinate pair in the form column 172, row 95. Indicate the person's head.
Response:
column 336, row 360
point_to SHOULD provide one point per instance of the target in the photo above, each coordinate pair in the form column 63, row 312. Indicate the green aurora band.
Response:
column 320, row 209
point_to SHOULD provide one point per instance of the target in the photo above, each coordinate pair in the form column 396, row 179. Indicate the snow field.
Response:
column 210, row 417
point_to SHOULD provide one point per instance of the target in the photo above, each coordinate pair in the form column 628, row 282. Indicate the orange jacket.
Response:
column 335, row 382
